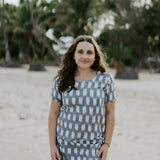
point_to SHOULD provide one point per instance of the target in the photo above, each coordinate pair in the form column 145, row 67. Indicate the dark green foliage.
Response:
column 21, row 34
column 115, row 44
column 134, row 37
column 73, row 18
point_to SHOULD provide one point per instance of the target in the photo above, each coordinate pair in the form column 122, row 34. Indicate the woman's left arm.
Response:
column 110, row 123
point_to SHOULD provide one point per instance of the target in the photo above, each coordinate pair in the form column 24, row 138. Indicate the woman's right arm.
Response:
column 52, row 125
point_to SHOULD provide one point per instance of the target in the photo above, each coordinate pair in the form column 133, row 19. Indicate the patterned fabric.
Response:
column 81, row 122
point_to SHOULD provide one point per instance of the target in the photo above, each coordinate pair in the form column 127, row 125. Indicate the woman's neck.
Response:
column 84, row 72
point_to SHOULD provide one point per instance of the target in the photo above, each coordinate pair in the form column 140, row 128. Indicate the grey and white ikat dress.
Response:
column 81, row 122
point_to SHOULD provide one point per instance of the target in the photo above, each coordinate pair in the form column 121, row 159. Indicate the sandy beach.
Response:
column 24, row 106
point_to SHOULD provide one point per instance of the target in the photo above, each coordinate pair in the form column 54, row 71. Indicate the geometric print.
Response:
column 81, row 122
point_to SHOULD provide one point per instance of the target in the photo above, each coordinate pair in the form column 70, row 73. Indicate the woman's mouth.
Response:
column 84, row 61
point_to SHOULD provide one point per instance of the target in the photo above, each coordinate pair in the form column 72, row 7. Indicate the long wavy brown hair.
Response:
column 68, row 66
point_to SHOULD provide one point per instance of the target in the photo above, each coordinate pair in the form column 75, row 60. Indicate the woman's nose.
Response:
column 85, row 55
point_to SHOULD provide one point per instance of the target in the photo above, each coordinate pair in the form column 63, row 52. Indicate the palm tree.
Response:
column 8, row 57
column 8, row 61
column 40, row 36
column 21, row 30
column 76, row 17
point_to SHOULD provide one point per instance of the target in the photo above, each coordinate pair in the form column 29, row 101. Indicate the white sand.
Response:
column 24, row 106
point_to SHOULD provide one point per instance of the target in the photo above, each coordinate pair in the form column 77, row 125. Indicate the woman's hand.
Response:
column 55, row 153
column 104, row 151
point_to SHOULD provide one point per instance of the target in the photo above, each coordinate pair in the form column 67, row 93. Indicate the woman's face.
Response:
column 84, row 55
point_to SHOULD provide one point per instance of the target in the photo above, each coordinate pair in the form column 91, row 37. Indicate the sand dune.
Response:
column 24, row 106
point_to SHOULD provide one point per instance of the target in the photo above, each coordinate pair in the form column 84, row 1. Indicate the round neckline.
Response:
column 89, row 79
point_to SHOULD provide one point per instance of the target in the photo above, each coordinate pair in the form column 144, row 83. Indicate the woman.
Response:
column 82, row 113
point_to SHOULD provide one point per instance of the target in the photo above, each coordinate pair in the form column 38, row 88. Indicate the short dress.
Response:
column 81, row 123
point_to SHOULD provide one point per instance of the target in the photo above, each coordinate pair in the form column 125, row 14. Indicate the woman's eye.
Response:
column 89, row 52
column 80, row 51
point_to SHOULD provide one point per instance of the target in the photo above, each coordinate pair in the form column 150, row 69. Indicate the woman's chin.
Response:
column 84, row 66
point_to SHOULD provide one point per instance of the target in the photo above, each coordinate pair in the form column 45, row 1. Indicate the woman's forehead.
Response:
column 85, row 45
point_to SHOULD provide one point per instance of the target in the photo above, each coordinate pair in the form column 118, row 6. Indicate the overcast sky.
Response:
column 16, row 2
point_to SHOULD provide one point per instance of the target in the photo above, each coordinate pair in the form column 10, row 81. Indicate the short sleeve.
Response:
column 55, row 94
column 110, row 92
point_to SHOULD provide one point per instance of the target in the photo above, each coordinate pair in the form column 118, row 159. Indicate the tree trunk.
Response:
column 8, row 58
column 41, row 37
